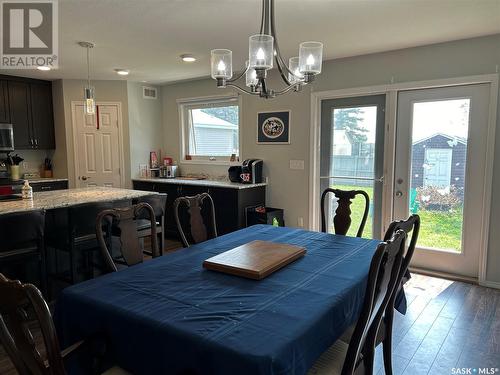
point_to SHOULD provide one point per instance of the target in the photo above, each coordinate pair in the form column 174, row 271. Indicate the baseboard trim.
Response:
column 490, row 284
column 443, row 275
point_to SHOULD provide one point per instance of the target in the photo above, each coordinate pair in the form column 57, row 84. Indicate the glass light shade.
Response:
column 293, row 65
column 251, row 76
column 89, row 99
column 222, row 63
column 261, row 51
column 310, row 57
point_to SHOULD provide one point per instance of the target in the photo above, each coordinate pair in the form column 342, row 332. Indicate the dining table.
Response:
column 169, row 315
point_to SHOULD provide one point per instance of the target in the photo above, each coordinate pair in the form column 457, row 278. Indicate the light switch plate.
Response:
column 297, row 164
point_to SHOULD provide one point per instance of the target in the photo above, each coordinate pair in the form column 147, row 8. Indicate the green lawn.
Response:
column 439, row 229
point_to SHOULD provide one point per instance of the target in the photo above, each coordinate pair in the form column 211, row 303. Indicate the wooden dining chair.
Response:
column 197, row 231
column 22, row 309
column 342, row 219
column 410, row 225
column 357, row 356
column 125, row 222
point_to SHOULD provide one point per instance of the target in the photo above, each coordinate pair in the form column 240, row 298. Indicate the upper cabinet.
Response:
column 28, row 106
column 42, row 116
column 4, row 103
column 20, row 116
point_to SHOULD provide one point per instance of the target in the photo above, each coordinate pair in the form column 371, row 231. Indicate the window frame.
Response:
column 187, row 104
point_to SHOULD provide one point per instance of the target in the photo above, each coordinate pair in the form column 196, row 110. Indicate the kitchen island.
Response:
column 50, row 200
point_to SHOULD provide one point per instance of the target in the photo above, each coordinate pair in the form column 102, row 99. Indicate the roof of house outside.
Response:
column 205, row 120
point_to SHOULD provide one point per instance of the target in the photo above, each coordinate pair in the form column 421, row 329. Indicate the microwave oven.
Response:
column 6, row 138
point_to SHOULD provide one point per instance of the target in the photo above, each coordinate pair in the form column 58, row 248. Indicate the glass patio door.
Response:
column 439, row 173
column 352, row 144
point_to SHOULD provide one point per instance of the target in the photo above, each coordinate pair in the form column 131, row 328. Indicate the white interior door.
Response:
column 440, row 172
column 97, row 147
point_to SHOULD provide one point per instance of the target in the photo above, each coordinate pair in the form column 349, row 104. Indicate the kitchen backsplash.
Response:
column 33, row 159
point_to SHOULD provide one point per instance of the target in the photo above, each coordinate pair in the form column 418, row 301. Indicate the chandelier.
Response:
column 262, row 50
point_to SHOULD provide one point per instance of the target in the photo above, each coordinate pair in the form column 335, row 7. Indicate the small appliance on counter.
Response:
column 6, row 138
column 250, row 172
column 234, row 173
column 169, row 171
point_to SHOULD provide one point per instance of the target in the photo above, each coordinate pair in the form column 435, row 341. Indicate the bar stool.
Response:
column 22, row 238
column 73, row 232
column 158, row 202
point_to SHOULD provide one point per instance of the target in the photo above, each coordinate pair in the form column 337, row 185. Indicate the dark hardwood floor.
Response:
column 448, row 325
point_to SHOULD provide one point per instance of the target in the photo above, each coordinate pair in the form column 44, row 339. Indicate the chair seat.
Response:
column 331, row 361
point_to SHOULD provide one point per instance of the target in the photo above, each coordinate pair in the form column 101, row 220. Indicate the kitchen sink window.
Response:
column 210, row 129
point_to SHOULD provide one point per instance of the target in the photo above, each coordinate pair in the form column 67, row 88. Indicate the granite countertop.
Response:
column 210, row 183
column 72, row 197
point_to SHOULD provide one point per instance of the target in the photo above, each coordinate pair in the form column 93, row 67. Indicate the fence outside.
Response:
column 352, row 166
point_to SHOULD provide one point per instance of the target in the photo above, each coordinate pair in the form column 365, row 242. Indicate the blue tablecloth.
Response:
column 170, row 316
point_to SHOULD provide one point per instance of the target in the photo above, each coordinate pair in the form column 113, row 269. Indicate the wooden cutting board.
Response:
column 255, row 260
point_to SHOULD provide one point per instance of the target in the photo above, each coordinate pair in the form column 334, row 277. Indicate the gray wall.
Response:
column 289, row 188
column 145, row 126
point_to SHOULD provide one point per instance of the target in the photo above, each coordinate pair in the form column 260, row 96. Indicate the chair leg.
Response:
column 162, row 242
column 387, row 343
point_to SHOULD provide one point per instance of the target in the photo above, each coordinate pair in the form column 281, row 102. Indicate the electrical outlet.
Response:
column 300, row 222
column 297, row 164
column 24, row 165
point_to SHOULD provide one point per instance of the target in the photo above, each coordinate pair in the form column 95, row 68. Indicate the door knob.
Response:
column 399, row 193
column 84, row 178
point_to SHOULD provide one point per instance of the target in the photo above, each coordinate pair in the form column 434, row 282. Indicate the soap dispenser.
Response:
column 27, row 190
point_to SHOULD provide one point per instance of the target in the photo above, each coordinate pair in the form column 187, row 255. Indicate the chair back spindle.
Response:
column 198, row 231
column 125, row 219
column 342, row 219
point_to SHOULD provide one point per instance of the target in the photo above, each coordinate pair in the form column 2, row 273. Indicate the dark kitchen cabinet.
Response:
column 20, row 116
column 4, row 102
column 28, row 105
column 42, row 116
column 230, row 203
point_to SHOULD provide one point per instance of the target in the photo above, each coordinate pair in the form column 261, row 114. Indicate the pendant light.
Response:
column 88, row 91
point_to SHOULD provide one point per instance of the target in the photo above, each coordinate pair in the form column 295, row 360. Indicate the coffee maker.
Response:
column 254, row 168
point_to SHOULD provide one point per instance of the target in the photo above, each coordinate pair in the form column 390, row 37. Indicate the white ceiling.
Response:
column 147, row 36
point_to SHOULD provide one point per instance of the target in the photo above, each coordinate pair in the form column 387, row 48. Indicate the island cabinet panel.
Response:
column 230, row 203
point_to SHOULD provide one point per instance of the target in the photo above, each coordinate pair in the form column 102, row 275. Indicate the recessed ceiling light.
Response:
column 122, row 72
column 188, row 58
column 43, row 68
